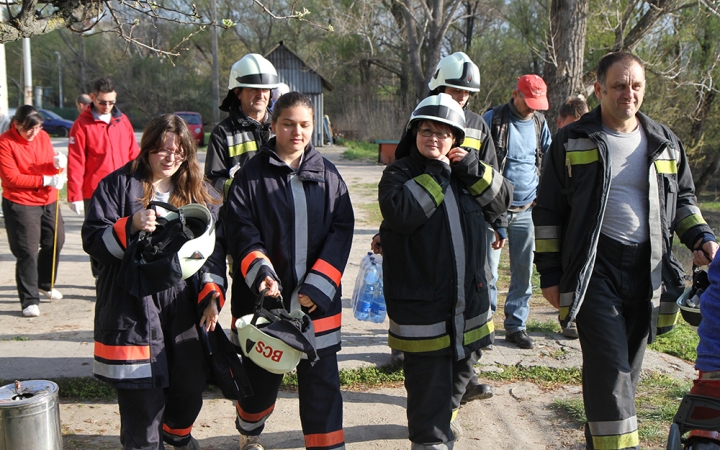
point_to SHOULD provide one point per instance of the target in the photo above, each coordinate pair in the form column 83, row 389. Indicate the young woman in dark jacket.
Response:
column 148, row 346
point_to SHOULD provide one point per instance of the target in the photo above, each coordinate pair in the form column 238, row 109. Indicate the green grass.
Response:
column 360, row 150
column 548, row 377
column 17, row 338
column 373, row 216
column 656, row 402
column 549, row 326
column 359, row 378
column 681, row 342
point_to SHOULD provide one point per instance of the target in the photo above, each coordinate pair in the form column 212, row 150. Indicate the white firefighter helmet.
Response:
column 253, row 71
column 280, row 90
column 458, row 71
column 441, row 108
column 178, row 247
column 268, row 352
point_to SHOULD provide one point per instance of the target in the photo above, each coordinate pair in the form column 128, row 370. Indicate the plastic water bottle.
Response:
column 378, row 309
column 367, row 292
column 364, row 263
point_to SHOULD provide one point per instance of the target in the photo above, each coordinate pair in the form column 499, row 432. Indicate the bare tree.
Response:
column 565, row 52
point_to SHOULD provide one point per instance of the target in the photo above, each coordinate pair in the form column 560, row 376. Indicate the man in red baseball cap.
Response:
column 521, row 137
column 532, row 91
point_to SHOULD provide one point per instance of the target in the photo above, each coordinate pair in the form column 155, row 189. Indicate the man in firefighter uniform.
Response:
column 615, row 186
column 435, row 199
column 237, row 138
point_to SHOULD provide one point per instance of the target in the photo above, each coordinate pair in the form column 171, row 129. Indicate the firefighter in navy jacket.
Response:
column 289, row 227
column 435, row 200
column 148, row 347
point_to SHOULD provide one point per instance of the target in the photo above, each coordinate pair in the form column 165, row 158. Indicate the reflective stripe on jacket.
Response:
column 571, row 202
column 434, row 251
column 129, row 348
column 293, row 225
column 232, row 143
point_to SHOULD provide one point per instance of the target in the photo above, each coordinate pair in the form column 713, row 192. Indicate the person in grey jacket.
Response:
column 615, row 185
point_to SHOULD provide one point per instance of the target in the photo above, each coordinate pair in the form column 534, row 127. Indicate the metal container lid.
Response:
column 23, row 393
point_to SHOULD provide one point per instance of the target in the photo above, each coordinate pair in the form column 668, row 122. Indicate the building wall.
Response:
column 293, row 72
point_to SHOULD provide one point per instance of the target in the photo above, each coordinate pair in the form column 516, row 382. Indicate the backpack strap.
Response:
column 539, row 119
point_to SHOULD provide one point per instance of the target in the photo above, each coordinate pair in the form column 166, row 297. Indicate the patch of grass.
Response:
column 573, row 408
column 548, row 326
column 362, row 377
column 17, row 338
column 681, row 342
column 548, row 377
column 372, row 213
column 360, row 150
column 79, row 388
column 657, row 401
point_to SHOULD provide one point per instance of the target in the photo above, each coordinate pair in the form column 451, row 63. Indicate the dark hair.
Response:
column 573, row 107
column 611, row 58
column 188, row 181
column 104, row 85
column 290, row 100
column 83, row 99
column 27, row 117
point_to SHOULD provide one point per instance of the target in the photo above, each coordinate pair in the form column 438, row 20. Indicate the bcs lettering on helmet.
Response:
column 268, row 352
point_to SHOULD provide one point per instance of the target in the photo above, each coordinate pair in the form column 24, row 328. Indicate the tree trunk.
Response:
column 707, row 174
column 566, row 50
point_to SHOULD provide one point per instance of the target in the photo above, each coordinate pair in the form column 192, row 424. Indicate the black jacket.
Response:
column 571, row 202
column 233, row 142
column 129, row 339
column 435, row 251
column 296, row 226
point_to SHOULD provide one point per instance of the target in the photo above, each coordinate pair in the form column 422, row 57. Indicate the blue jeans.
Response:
column 521, row 243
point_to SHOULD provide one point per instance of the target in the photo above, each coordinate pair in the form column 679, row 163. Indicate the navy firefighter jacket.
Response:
column 130, row 350
column 293, row 225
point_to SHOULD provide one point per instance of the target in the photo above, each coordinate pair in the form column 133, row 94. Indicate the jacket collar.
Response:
column 591, row 123
column 244, row 120
column 312, row 166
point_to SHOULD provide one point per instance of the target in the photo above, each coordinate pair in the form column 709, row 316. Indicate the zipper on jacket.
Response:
column 569, row 166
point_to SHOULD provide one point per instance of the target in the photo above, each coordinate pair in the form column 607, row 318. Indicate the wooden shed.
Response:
column 300, row 77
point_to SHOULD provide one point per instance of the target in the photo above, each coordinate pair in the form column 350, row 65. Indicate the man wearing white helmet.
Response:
column 435, row 199
column 237, row 138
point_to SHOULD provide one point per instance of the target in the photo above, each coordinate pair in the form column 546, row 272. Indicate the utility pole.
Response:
column 216, row 72
column 60, row 96
column 27, row 62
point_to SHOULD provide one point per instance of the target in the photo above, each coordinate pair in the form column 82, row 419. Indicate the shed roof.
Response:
column 281, row 46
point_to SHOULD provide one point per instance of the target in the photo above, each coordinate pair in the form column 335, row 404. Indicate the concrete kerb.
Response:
column 59, row 343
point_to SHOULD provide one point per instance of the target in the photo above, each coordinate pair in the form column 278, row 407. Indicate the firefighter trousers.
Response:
column 321, row 405
column 613, row 324
column 434, row 385
column 150, row 416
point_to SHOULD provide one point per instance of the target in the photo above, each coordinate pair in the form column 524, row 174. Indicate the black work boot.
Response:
column 521, row 339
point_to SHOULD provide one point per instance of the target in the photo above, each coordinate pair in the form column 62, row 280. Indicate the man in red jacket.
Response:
column 101, row 141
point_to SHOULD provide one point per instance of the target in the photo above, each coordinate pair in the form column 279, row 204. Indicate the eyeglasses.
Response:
column 106, row 102
column 164, row 153
column 441, row 135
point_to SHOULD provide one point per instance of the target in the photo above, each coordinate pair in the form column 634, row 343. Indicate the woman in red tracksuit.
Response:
column 289, row 227
column 31, row 176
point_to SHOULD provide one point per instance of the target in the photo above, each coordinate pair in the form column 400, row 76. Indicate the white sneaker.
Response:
column 53, row 294
column 31, row 311
column 250, row 443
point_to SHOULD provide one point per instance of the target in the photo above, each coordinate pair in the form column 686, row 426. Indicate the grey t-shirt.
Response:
column 626, row 215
